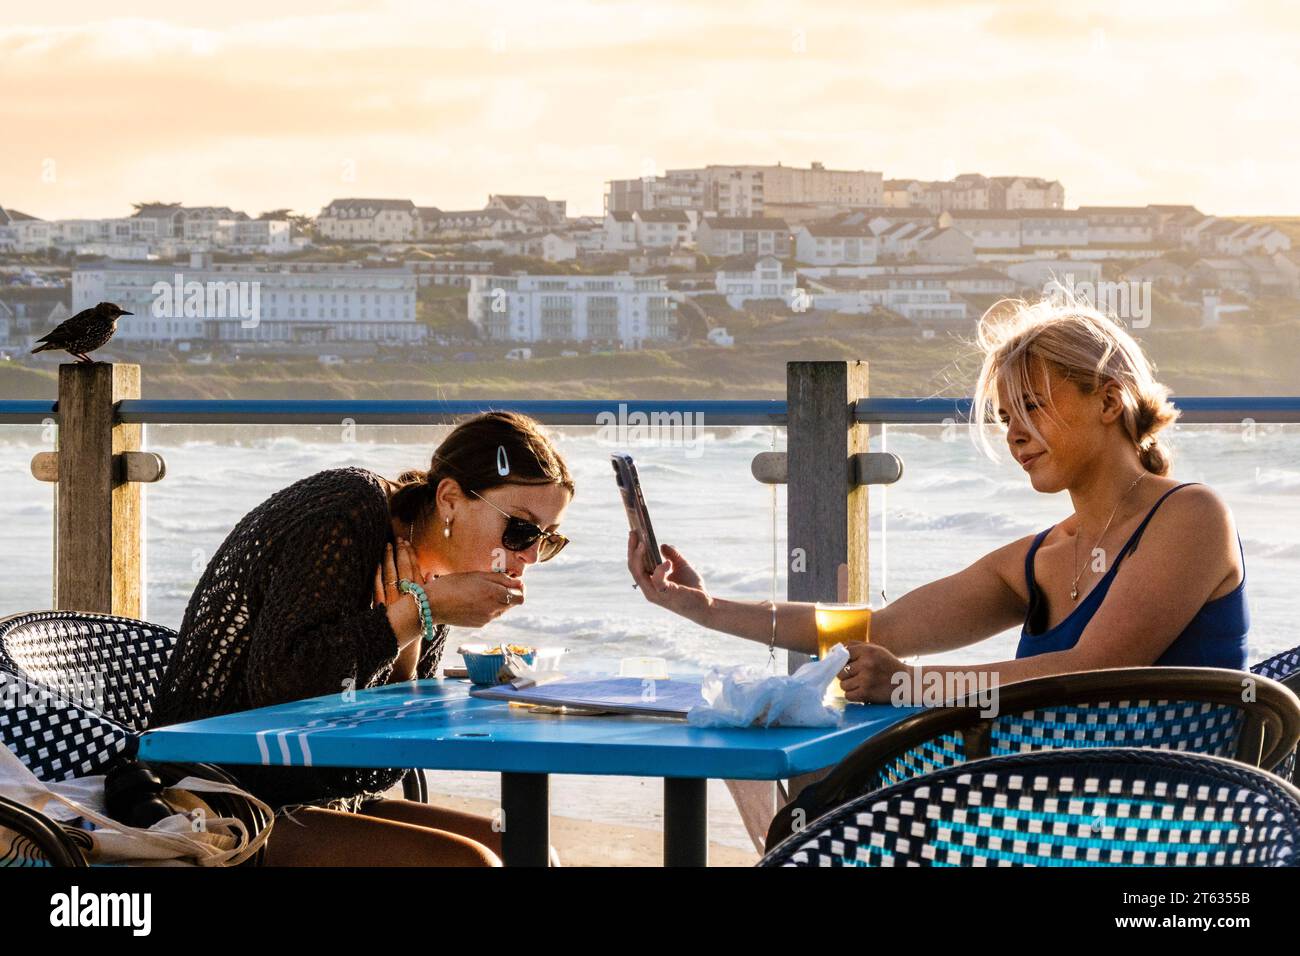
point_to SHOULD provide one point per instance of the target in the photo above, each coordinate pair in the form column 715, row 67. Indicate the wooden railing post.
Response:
column 826, row 509
column 98, row 515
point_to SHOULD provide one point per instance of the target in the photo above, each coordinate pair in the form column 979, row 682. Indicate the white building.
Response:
column 435, row 223
column 269, row 236
column 1159, row 271
column 924, row 299
column 664, row 228
column 550, row 246
column 1026, row 192
column 623, row 309
column 988, row 230
column 20, row 232
column 535, row 210
column 741, row 191
column 368, row 220
column 155, row 229
column 974, row 192
column 759, row 278
column 835, row 244
column 619, row 232
column 1051, row 227
column 254, row 302
column 1037, row 274
column 1120, row 225
column 1228, row 237
column 748, row 236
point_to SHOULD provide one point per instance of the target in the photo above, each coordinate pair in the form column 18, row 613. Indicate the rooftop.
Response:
column 746, row 222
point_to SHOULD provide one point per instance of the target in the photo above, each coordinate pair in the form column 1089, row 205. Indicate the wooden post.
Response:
column 826, row 510
column 98, row 515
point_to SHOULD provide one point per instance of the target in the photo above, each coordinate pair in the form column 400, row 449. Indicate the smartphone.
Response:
column 638, row 518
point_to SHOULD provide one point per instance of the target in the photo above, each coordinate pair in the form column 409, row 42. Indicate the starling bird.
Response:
column 84, row 332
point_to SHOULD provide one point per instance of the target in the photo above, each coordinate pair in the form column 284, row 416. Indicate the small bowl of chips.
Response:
column 486, row 664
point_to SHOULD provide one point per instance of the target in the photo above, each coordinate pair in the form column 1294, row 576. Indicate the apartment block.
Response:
column 254, row 302
column 622, row 310
column 743, row 191
column 368, row 220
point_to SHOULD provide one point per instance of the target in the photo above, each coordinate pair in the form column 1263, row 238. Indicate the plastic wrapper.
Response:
column 748, row 697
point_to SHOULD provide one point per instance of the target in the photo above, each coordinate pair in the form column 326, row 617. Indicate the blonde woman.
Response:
column 1081, row 411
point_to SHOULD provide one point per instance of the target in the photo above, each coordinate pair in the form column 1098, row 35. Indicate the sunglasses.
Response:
column 520, row 534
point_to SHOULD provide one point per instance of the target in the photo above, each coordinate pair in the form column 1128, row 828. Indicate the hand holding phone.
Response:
column 638, row 517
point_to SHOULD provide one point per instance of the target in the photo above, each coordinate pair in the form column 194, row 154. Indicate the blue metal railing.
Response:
column 1233, row 410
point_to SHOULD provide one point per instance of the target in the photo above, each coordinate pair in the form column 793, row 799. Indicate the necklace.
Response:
column 1074, row 587
column 410, row 538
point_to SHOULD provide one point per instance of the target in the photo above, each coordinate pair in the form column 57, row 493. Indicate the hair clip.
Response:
column 503, row 463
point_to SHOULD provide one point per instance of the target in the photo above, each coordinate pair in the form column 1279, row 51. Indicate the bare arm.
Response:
column 956, row 611
column 952, row 612
column 1151, row 601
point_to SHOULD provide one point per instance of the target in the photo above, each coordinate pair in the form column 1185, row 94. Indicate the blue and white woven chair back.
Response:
column 1279, row 667
column 117, row 659
column 77, row 688
column 1284, row 668
column 1195, row 726
column 1103, row 807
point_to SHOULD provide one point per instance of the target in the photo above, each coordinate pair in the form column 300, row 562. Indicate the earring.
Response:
column 446, row 529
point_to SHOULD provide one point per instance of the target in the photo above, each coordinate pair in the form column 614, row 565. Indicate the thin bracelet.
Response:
column 771, row 646
column 422, row 600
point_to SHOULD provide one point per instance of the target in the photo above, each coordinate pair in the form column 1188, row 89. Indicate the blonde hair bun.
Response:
column 1085, row 346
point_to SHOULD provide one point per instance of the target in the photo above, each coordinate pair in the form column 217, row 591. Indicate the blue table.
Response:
column 436, row 725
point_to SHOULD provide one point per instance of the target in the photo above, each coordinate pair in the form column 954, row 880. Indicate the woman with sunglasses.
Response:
column 346, row 580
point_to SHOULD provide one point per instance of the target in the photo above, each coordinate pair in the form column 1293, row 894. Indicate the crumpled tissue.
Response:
column 746, row 696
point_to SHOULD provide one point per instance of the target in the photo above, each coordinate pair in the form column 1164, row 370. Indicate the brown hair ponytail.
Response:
column 476, row 453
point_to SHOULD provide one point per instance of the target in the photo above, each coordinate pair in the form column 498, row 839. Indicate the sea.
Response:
column 952, row 505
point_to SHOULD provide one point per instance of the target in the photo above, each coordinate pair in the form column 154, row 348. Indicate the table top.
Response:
column 435, row 725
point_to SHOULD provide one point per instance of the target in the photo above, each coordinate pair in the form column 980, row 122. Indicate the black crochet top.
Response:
column 285, row 611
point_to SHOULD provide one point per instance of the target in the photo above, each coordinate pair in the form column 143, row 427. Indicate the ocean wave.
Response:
column 188, row 526
column 981, row 521
column 1270, row 550
column 987, row 486
column 1276, row 481
column 32, row 509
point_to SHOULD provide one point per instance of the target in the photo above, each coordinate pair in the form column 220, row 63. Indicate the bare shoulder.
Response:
column 1008, row 563
column 1194, row 512
column 1196, row 520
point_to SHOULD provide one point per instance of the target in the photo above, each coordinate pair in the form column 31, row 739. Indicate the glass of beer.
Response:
column 841, row 624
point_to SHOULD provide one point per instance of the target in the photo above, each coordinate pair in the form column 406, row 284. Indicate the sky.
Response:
column 267, row 105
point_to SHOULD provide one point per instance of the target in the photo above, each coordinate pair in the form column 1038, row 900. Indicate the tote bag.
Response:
column 192, row 836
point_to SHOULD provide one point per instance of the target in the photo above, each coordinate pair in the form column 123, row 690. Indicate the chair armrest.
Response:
column 415, row 787
column 50, row 838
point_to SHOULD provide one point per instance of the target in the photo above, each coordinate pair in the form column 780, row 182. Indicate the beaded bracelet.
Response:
column 426, row 615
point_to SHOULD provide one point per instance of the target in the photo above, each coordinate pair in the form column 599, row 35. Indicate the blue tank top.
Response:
column 1215, row 637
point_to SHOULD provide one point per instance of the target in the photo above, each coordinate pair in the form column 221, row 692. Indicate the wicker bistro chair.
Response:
column 41, row 841
column 77, row 689
column 1285, row 669
column 1198, row 709
column 1104, row 807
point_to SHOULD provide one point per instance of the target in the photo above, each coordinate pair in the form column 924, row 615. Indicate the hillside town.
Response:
column 702, row 255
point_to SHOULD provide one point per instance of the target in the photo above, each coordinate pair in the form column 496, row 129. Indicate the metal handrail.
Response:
column 1226, row 410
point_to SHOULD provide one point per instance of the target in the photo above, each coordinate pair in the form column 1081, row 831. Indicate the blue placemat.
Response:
column 672, row 697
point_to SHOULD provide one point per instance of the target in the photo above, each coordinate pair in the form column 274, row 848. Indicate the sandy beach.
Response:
column 584, row 843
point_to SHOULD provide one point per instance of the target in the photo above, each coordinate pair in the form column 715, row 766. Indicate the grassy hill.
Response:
column 1242, row 359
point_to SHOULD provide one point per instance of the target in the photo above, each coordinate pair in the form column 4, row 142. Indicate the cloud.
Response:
column 260, row 107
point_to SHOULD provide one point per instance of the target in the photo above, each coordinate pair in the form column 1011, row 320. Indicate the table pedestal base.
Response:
column 526, row 808
column 686, row 821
